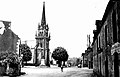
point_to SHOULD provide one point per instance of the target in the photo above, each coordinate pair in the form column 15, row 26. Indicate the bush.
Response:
column 12, row 59
column 2, row 70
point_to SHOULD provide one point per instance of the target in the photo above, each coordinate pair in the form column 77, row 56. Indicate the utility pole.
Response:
column 88, row 41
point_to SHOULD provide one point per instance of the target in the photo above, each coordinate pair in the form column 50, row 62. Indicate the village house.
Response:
column 9, row 51
column 84, row 59
column 106, row 42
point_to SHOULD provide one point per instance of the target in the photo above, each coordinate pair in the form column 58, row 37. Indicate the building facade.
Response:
column 8, row 45
column 106, row 42
column 8, row 39
column 84, row 59
column 87, row 58
column 42, row 37
column 90, row 57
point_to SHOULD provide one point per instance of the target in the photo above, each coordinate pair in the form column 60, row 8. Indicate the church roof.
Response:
column 43, row 20
column 43, row 25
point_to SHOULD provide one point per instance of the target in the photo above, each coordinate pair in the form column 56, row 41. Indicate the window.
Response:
column 41, row 45
column 106, row 34
column 114, row 26
column 99, row 41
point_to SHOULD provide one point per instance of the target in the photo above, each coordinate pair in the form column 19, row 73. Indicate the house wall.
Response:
column 109, row 34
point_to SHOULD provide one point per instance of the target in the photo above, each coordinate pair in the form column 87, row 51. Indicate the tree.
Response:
column 25, row 50
column 60, row 54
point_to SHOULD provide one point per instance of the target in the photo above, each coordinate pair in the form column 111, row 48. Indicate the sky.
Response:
column 69, row 21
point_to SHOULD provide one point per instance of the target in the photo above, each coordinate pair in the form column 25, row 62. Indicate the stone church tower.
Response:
column 42, row 42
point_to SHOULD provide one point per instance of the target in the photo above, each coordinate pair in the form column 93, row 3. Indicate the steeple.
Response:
column 42, row 42
column 43, row 20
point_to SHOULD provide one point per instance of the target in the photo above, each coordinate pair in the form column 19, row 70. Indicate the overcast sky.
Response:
column 69, row 21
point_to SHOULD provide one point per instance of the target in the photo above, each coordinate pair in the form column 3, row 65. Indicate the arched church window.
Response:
column 41, row 45
column 40, row 34
column 46, row 33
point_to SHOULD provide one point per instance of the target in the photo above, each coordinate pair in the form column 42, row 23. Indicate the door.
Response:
column 116, row 65
column 106, row 67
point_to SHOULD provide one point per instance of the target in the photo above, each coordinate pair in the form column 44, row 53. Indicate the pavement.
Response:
column 55, row 71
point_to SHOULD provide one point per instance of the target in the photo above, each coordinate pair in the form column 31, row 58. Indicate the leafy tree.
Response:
column 60, row 54
column 9, row 56
column 25, row 50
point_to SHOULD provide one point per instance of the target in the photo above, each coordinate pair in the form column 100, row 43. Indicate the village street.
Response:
column 54, row 71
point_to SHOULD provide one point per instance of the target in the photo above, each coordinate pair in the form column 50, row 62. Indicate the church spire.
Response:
column 43, row 20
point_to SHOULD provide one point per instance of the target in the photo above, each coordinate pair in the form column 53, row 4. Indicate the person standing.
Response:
column 61, row 68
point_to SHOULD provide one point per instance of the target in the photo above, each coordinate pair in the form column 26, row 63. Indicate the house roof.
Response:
column 109, row 7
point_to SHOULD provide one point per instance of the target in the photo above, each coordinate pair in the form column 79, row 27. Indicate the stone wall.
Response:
column 105, row 38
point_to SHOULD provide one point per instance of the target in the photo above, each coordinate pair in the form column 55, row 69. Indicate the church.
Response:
column 42, row 36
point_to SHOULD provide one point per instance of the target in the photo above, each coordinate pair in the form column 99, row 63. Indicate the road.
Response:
column 56, row 72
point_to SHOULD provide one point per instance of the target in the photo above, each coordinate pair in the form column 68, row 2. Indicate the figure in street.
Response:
column 61, row 68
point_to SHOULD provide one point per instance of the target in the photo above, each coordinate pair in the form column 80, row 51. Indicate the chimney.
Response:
column 95, row 34
column 98, row 25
